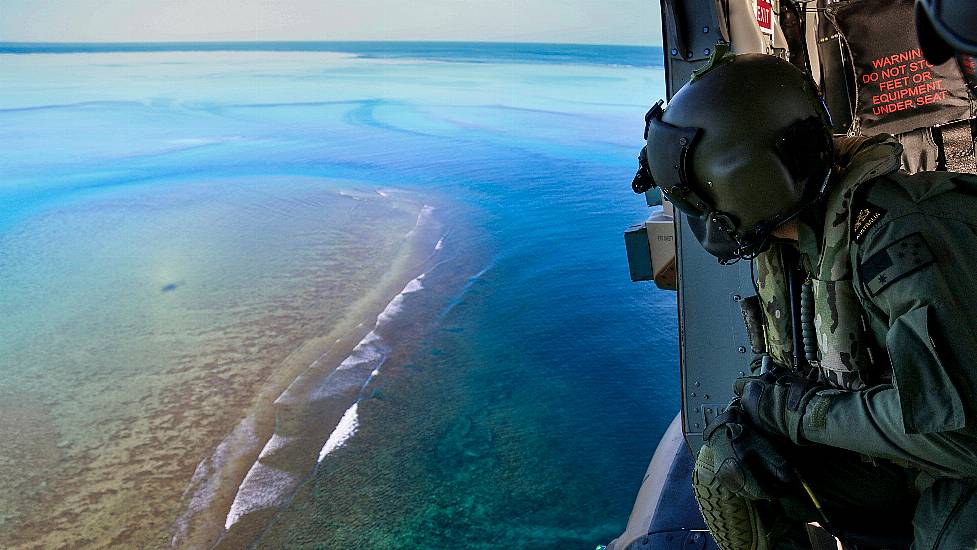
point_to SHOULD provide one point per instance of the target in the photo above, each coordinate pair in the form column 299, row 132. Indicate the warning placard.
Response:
column 901, row 81
column 764, row 15
column 898, row 90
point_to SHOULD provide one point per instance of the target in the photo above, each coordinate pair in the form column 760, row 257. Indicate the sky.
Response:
column 566, row 21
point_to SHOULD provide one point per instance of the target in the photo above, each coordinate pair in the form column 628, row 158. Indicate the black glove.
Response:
column 745, row 461
column 776, row 401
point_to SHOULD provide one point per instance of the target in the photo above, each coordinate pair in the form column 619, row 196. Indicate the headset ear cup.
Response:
column 715, row 238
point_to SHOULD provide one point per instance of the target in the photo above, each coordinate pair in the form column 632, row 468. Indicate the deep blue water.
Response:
column 461, row 52
column 528, row 398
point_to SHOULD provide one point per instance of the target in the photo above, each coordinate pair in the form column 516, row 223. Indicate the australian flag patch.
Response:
column 895, row 262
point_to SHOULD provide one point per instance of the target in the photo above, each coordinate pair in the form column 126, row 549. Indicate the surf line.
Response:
column 348, row 424
column 268, row 486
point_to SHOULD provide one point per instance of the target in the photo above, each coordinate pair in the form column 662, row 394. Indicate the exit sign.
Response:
column 764, row 15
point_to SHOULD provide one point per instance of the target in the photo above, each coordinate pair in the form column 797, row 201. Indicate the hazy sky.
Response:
column 576, row 21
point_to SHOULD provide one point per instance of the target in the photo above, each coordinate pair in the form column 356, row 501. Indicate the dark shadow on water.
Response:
column 171, row 286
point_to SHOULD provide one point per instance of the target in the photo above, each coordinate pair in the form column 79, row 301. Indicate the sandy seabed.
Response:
column 155, row 330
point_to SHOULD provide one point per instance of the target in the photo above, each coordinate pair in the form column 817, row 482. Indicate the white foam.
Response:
column 369, row 350
column 264, row 487
column 276, row 442
column 350, row 195
column 364, row 352
column 478, row 275
column 289, row 395
column 382, row 193
column 374, row 374
column 371, row 338
column 344, row 430
column 395, row 305
column 206, row 478
column 440, row 244
column 422, row 218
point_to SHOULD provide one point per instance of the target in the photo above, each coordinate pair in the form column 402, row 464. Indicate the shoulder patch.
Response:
column 895, row 262
column 866, row 216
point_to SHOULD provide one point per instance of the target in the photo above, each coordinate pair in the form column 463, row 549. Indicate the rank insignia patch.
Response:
column 866, row 216
column 894, row 262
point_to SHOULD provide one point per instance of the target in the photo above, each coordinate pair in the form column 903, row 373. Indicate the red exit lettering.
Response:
column 764, row 14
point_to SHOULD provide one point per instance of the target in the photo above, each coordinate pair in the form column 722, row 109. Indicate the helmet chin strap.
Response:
column 716, row 232
column 748, row 249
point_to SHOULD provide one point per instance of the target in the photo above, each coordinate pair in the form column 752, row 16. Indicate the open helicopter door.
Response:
column 714, row 347
column 864, row 54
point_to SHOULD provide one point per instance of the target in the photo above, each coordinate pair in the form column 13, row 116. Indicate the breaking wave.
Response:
column 344, row 430
column 266, row 486
column 397, row 304
column 206, row 478
column 422, row 219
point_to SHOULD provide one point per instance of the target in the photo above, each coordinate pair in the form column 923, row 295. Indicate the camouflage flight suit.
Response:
column 894, row 271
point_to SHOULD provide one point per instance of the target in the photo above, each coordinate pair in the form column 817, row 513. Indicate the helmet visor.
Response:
column 669, row 153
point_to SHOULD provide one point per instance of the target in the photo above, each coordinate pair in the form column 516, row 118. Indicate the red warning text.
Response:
column 902, row 81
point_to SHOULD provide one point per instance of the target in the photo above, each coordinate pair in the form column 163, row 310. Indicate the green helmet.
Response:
column 741, row 149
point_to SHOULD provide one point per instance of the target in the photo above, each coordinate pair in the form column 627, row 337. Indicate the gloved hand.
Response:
column 744, row 460
column 776, row 401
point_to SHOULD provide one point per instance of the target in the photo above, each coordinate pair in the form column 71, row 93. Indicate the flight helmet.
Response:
column 948, row 28
column 741, row 149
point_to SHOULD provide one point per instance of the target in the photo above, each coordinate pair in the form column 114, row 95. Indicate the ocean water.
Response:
column 467, row 52
column 325, row 295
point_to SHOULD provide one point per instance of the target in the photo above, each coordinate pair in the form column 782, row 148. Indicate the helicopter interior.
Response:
column 866, row 58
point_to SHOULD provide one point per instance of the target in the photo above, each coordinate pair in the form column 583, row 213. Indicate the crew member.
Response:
column 873, row 433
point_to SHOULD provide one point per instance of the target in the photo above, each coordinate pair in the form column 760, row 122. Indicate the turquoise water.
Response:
column 524, row 384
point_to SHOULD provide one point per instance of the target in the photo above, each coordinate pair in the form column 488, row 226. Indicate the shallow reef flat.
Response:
column 154, row 321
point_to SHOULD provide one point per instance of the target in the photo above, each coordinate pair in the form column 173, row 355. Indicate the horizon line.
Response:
column 316, row 41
